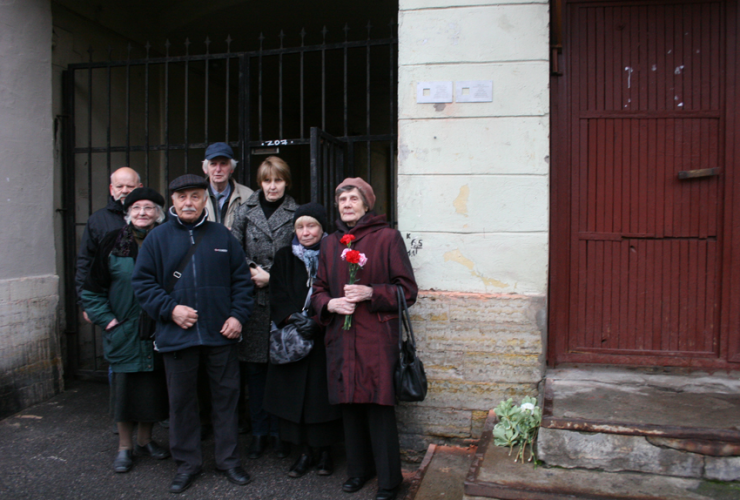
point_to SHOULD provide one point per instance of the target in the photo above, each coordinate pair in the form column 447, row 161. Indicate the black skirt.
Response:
column 139, row 397
column 315, row 435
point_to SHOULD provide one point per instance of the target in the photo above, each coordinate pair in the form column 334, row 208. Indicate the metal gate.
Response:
column 327, row 108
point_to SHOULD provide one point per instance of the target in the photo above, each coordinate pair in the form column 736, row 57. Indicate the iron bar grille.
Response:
column 328, row 109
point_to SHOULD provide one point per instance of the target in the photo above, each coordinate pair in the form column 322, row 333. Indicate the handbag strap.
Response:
column 308, row 299
column 172, row 281
column 404, row 320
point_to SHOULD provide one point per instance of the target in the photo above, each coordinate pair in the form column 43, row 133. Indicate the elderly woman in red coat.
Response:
column 361, row 360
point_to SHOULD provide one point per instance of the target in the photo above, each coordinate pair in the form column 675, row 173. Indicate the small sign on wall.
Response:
column 433, row 92
column 474, row 91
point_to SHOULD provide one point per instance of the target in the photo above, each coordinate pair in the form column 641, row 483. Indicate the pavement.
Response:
column 63, row 449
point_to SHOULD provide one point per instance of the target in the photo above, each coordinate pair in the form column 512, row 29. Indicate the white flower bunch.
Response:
column 518, row 425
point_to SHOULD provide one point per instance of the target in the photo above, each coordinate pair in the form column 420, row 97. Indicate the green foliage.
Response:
column 518, row 426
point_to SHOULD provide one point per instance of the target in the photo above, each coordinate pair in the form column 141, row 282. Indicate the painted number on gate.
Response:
column 277, row 142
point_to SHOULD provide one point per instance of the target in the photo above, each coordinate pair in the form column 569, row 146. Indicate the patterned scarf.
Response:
column 309, row 256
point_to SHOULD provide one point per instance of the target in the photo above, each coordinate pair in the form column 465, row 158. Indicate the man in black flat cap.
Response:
column 225, row 195
column 191, row 276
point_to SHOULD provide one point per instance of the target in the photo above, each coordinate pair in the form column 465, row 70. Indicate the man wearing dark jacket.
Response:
column 107, row 219
column 199, row 321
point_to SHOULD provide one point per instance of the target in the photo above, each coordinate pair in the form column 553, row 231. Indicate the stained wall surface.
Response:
column 30, row 359
column 473, row 184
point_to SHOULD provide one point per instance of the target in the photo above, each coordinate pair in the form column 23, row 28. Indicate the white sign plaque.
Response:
column 433, row 92
column 474, row 91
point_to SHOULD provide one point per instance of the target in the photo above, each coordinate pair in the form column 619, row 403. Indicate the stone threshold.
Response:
column 641, row 402
column 493, row 474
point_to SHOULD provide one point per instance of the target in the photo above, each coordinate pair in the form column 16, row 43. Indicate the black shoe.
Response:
column 236, row 475
column 325, row 466
column 384, row 494
column 355, row 484
column 151, row 449
column 257, row 446
column 124, row 461
column 301, row 466
column 282, row 448
column 182, row 482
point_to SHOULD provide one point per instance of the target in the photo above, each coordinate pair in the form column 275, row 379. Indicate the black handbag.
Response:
column 147, row 324
column 286, row 344
column 409, row 377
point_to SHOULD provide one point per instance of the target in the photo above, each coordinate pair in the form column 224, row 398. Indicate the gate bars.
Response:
column 251, row 124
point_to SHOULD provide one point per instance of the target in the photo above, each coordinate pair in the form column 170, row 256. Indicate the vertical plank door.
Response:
column 645, row 150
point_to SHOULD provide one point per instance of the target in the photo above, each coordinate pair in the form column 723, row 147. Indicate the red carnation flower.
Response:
column 347, row 239
column 353, row 257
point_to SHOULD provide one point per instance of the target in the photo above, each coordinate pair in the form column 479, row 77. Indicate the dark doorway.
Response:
column 158, row 111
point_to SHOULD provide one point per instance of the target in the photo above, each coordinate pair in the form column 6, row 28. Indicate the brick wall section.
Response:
column 477, row 349
column 30, row 358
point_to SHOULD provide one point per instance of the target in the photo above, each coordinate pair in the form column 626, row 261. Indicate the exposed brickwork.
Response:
column 477, row 349
column 30, row 360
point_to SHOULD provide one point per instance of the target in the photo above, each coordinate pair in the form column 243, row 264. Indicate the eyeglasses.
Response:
column 146, row 208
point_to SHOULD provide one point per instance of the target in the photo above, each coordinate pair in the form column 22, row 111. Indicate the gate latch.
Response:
column 693, row 174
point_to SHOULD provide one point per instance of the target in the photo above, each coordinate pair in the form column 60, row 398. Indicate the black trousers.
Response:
column 371, row 439
column 222, row 367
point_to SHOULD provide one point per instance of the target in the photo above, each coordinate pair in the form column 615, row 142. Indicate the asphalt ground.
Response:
column 64, row 449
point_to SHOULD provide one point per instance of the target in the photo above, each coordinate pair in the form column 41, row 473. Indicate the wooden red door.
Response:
column 640, row 147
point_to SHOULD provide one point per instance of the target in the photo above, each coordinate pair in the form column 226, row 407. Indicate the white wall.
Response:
column 26, row 130
column 30, row 359
column 473, row 177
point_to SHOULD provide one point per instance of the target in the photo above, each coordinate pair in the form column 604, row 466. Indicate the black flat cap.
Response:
column 143, row 193
column 188, row 181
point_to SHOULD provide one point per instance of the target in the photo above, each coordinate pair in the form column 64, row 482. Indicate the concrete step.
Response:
column 493, row 474
column 665, row 422
column 442, row 473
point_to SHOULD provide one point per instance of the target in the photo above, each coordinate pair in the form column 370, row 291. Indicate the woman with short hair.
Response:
column 362, row 359
column 263, row 225
column 138, row 385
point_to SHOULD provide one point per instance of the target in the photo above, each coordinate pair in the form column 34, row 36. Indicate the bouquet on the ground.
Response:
column 356, row 261
column 518, row 425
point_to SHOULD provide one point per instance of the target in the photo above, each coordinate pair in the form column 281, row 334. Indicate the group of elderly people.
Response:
column 213, row 297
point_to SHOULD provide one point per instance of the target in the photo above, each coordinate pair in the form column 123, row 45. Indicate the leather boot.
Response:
column 257, row 447
column 325, row 467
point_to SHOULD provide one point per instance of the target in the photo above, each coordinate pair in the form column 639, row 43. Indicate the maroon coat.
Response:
column 361, row 360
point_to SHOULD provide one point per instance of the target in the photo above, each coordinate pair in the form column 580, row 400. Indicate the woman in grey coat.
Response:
column 263, row 225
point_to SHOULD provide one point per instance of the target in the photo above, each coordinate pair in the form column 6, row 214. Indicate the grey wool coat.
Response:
column 261, row 239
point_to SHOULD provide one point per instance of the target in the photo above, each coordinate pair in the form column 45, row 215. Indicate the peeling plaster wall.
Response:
column 30, row 361
column 473, row 201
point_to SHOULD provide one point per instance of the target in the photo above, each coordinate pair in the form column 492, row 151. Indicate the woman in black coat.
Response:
column 297, row 392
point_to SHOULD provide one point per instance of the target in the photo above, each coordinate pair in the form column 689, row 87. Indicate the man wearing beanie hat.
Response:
column 361, row 360
column 225, row 195
column 200, row 301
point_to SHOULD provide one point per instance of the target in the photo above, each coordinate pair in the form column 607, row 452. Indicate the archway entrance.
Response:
column 325, row 105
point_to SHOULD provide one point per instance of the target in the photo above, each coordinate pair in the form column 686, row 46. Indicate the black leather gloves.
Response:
column 306, row 327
